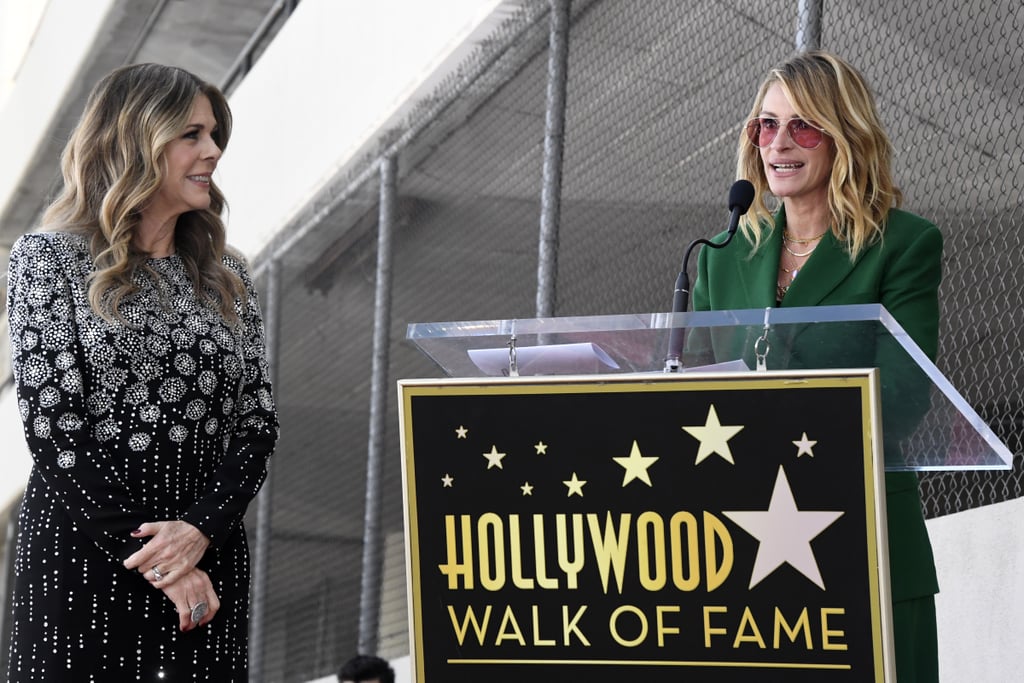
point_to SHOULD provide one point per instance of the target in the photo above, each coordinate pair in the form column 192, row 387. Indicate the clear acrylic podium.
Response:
column 927, row 424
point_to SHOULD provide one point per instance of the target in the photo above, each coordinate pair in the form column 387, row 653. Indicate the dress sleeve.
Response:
column 48, row 364
column 219, row 511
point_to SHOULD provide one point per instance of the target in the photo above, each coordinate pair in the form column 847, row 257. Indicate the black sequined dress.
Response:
column 169, row 416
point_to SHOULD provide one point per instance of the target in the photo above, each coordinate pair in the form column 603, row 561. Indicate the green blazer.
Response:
column 902, row 272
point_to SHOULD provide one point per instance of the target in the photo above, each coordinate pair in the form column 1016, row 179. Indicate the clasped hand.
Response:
column 168, row 561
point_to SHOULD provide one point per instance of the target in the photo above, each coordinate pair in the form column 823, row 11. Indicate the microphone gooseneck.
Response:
column 741, row 196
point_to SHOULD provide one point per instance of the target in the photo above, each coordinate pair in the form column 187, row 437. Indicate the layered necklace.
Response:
column 802, row 250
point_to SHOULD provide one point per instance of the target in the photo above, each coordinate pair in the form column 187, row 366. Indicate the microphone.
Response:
column 741, row 196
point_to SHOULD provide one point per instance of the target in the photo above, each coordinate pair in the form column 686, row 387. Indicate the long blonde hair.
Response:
column 113, row 165
column 828, row 92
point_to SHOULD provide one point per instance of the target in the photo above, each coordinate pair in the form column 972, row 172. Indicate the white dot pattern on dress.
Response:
column 130, row 424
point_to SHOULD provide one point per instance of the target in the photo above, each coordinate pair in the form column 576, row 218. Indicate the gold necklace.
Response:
column 799, row 254
column 781, row 289
column 786, row 236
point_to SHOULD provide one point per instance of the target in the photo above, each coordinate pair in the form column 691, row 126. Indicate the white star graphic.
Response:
column 494, row 458
column 527, row 488
column 714, row 437
column 804, row 445
column 447, row 480
column 461, row 432
column 636, row 466
column 784, row 533
column 542, row 448
column 575, row 486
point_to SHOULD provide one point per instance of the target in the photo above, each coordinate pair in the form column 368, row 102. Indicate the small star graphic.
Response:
column 461, row 432
column 494, row 458
column 575, row 486
column 784, row 533
column 804, row 445
column 527, row 488
column 636, row 466
column 447, row 479
column 542, row 448
column 714, row 437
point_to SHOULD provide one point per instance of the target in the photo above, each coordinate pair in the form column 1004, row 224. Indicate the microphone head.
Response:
column 741, row 196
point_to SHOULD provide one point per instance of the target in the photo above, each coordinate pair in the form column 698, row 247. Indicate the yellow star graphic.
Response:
column 636, row 466
column 542, row 448
column 804, row 445
column 494, row 458
column 447, row 479
column 527, row 488
column 461, row 432
column 575, row 486
column 714, row 437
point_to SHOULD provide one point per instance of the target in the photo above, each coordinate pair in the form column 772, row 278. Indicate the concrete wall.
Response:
column 336, row 74
column 64, row 36
column 980, row 558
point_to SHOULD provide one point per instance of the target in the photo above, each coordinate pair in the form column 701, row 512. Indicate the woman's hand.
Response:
column 189, row 592
column 174, row 549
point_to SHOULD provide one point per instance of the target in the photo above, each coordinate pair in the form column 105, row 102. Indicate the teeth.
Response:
column 200, row 178
column 787, row 167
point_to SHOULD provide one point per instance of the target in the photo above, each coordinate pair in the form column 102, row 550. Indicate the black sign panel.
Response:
column 699, row 529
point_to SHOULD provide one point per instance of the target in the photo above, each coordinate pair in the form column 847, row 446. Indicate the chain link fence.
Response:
column 656, row 93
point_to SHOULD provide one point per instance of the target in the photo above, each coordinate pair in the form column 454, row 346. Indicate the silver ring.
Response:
column 199, row 611
column 157, row 574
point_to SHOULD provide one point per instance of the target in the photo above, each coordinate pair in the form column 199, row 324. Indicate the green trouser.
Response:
column 917, row 648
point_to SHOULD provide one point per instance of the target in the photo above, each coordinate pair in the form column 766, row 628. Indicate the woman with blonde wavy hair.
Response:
column 144, row 390
column 825, row 229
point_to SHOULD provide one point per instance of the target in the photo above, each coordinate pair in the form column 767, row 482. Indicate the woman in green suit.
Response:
column 814, row 147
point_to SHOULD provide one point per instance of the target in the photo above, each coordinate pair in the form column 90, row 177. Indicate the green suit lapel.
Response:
column 758, row 275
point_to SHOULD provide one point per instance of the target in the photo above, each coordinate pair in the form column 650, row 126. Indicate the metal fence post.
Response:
column 373, row 541
column 554, row 145
column 808, row 25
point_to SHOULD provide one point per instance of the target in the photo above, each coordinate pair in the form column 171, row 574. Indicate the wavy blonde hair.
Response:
column 827, row 91
column 113, row 165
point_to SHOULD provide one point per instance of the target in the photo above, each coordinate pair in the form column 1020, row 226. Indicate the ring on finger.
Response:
column 157, row 574
column 199, row 611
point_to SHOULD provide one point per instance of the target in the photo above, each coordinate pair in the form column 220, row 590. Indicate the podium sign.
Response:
column 660, row 528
